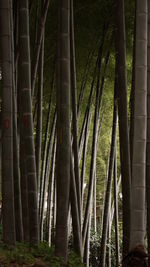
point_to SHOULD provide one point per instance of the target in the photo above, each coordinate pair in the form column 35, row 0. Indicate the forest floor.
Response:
column 37, row 263
column 23, row 255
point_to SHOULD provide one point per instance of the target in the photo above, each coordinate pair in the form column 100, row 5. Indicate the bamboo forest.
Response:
column 75, row 133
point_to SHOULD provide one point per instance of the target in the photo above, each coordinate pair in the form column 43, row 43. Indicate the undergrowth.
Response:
column 25, row 255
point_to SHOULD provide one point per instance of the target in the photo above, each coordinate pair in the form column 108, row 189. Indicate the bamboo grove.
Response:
column 75, row 128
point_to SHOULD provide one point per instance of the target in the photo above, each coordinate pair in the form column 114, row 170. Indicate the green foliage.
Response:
column 74, row 260
column 94, row 249
column 19, row 254
column 23, row 254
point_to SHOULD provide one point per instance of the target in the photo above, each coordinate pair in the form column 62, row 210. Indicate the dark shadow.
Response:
column 136, row 258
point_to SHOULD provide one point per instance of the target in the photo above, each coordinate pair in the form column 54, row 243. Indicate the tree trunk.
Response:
column 74, row 109
column 140, row 133
column 148, row 136
column 85, row 78
column 94, row 204
column 75, row 213
column 24, row 190
column 87, row 242
column 16, row 169
column 98, row 99
column 50, row 203
column 132, row 94
column 45, row 145
column 63, row 128
column 24, row 86
column 9, row 235
column 46, row 173
column 109, row 248
column 108, row 189
column 38, row 44
column 39, row 116
column 116, row 189
column 123, row 122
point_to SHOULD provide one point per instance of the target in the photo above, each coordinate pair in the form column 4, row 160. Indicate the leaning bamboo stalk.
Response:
column 86, row 115
column 108, row 190
column 116, row 211
column 45, row 145
column 86, row 138
column 46, row 173
column 51, row 194
column 85, row 77
column 148, row 137
column 74, row 109
column 87, row 242
column 94, row 204
column 38, row 45
column 113, row 203
column 38, row 141
column 87, row 112
column 98, row 99
column 75, row 212
column 88, row 108
column 109, row 249
column 123, row 122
